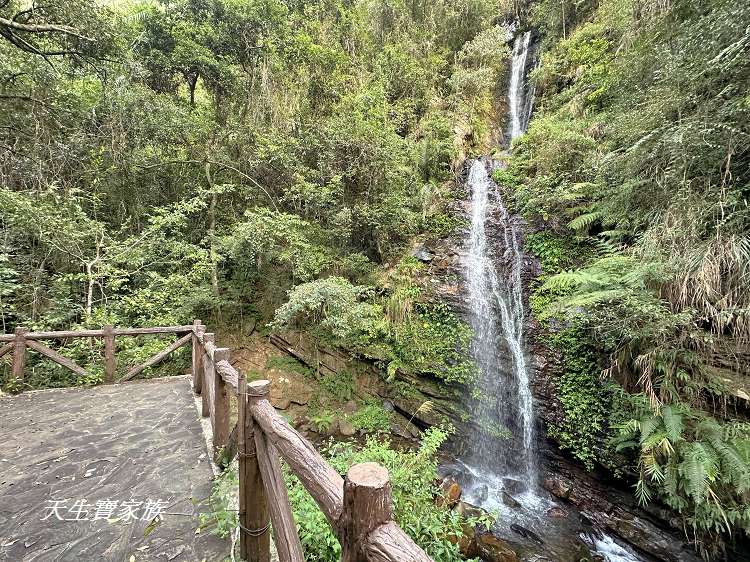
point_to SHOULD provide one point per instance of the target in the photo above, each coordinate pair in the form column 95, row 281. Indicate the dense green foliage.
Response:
column 162, row 160
column 639, row 157
column 413, row 479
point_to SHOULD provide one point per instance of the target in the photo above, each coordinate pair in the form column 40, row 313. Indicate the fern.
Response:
column 672, row 423
column 584, row 222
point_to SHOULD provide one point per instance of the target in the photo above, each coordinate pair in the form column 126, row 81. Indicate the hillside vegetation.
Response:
column 635, row 176
column 269, row 164
column 164, row 160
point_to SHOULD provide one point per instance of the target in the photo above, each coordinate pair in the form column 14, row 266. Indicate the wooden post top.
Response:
column 221, row 354
column 259, row 388
column 368, row 475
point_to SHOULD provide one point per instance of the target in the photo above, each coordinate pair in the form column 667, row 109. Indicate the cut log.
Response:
column 110, row 363
column 208, row 366
column 57, row 358
column 221, row 403
column 389, row 543
column 367, row 505
column 156, row 359
column 7, row 348
column 197, row 356
column 19, row 354
column 228, row 373
column 284, row 529
column 100, row 333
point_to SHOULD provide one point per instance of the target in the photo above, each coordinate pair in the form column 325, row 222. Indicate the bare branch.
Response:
column 43, row 28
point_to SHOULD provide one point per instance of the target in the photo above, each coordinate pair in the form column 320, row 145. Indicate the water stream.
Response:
column 503, row 450
column 498, row 469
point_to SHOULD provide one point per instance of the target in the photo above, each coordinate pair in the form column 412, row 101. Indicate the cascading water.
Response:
column 520, row 94
column 499, row 468
column 502, row 452
column 503, row 398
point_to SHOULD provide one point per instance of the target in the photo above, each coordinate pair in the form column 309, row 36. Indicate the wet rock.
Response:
column 423, row 254
column 557, row 487
column 346, row 428
column 510, row 501
column 467, row 510
column 387, row 405
column 493, row 549
column 450, row 492
column 513, row 486
column 350, row 407
column 526, row 533
column 556, row 512
column 467, row 542
column 482, row 493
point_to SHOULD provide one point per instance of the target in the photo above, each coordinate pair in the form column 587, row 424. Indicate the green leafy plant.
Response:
column 412, row 475
column 371, row 418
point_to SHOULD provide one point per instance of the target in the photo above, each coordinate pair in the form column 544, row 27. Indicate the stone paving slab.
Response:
column 138, row 441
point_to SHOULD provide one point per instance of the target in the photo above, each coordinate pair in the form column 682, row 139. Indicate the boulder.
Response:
column 423, row 254
column 450, row 492
column 467, row 510
column 557, row 487
column 493, row 549
column 346, row 428
column 556, row 512
column 513, row 486
column 510, row 501
column 467, row 542
column 299, row 392
column 280, row 402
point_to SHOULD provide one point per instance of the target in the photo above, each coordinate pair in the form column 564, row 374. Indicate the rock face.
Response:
column 604, row 505
column 346, row 428
column 493, row 549
column 614, row 511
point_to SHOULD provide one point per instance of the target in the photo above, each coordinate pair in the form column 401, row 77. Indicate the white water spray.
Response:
column 519, row 99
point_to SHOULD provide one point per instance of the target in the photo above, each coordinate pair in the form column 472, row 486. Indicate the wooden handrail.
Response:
column 61, row 335
column 359, row 508
column 23, row 339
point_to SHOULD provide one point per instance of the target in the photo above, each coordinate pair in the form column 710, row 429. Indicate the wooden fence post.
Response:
column 207, row 370
column 221, row 403
column 255, row 534
column 198, row 330
column 110, row 363
column 285, row 534
column 367, row 505
column 19, row 354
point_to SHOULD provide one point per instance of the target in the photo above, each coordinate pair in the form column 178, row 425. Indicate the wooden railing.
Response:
column 23, row 339
column 359, row 507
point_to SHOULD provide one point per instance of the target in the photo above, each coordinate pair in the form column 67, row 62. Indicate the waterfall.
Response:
column 501, row 456
column 519, row 99
column 502, row 399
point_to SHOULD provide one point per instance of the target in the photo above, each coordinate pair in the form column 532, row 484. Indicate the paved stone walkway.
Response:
column 139, row 442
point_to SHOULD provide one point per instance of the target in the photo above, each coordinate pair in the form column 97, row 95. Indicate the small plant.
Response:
column 222, row 517
column 340, row 385
column 371, row 418
column 289, row 364
column 413, row 475
column 322, row 421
